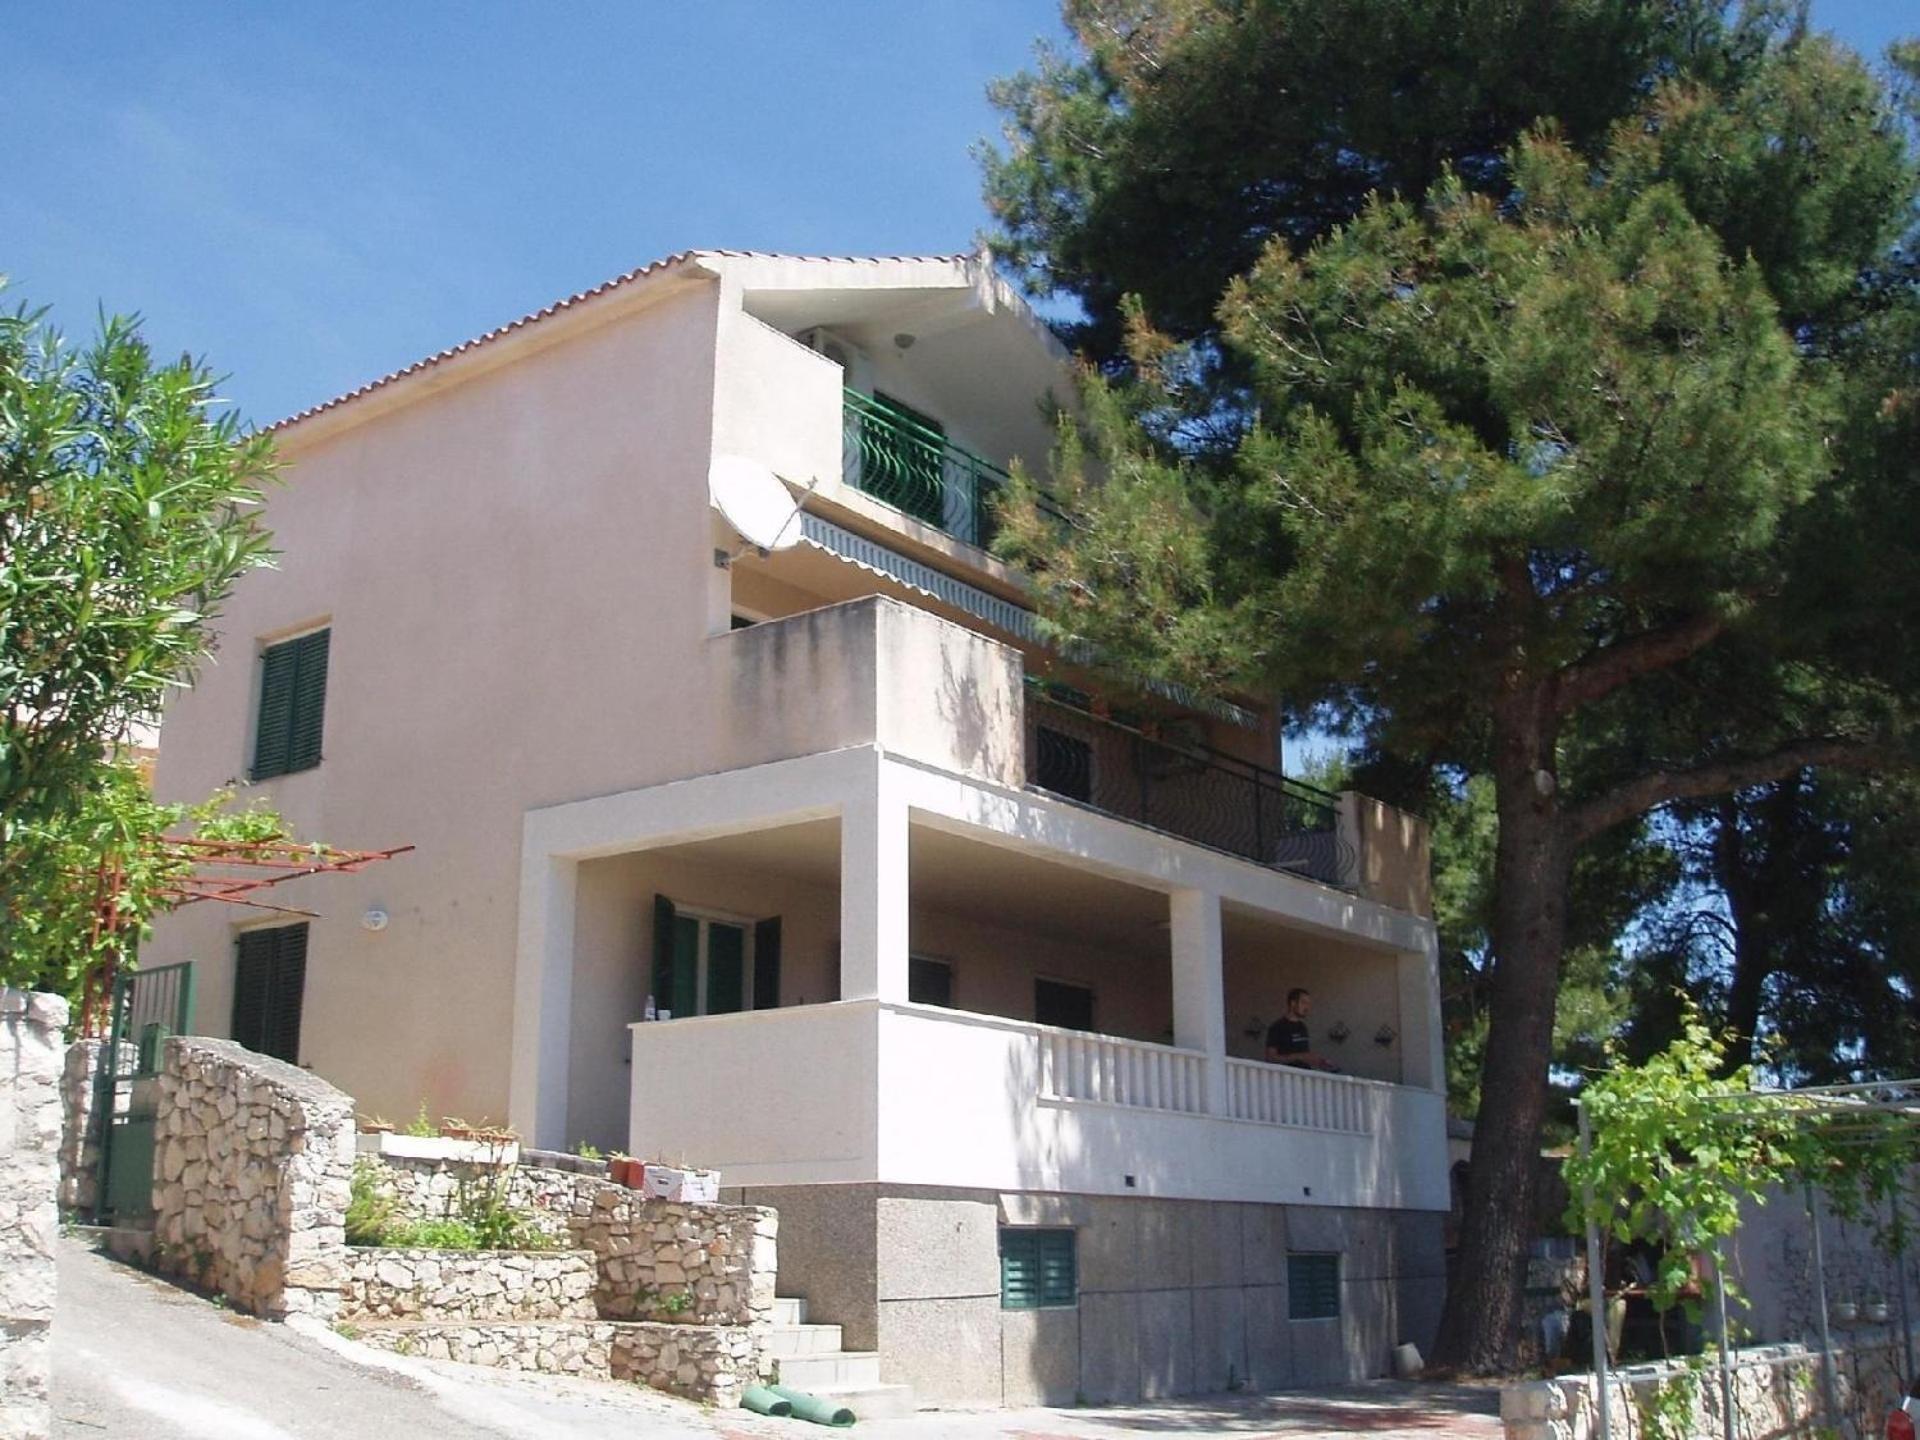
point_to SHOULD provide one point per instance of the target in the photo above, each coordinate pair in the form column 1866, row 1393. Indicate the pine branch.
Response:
column 1604, row 671
column 1638, row 796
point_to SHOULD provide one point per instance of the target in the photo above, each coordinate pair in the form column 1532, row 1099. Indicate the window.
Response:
column 929, row 982
column 1037, row 1268
column 269, row 979
column 293, row 700
column 708, row 964
column 1063, row 764
column 1313, row 1287
column 1061, row 1003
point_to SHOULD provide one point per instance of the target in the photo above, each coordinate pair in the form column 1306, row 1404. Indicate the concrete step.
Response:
column 839, row 1369
column 789, row 1312
column 871, row 1402
column 785, row 1340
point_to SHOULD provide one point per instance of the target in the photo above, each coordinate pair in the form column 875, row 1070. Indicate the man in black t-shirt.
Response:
column 1287, row 1040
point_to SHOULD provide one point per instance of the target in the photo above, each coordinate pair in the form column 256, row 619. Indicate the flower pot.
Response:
column 1877, row 1312
column 1845, row 1312
column 623, row 1171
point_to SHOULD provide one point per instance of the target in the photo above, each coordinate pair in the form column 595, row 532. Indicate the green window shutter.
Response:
column 1038, row 1269
column 287, row 993
column 726, row 969
column 766, row 964
column 277, row 672
column 252, row 975
column 293, row 705
column 929, row 982
column 309, row 700
column 1313, row 1287
column 663, row 916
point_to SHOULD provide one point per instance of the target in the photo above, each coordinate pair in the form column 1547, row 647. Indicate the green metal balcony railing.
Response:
column 893, row 457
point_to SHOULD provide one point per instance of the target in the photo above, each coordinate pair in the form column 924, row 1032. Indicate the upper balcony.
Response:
column 876, row 671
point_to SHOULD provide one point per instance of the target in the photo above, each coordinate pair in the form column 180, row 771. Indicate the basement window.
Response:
column 1313, row 1286
column 1038, row 1269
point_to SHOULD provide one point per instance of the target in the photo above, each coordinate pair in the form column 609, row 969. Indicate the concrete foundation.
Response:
column 1174, row 1297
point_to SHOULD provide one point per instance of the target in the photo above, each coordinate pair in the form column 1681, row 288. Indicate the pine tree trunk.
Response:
column 1533, row 863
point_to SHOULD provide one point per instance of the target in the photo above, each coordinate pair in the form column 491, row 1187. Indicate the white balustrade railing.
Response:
column 1111, row 1071
column 1309, row 1099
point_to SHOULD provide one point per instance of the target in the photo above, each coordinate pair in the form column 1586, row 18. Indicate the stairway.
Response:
column 811, row 1359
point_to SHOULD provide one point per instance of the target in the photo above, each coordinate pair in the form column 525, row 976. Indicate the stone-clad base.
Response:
column 699, row 1362
column 1174, row 1297
column 30, row 1061
column 468, row 1285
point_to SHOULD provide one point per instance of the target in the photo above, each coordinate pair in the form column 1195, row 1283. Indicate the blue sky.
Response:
column 313, row 195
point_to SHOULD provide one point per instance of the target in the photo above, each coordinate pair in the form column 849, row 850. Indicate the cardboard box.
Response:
column 689, row 1187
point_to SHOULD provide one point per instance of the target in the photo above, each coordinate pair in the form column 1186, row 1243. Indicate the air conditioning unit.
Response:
column 851, row 359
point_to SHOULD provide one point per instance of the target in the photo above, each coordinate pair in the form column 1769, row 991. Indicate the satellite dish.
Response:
column 754, row 502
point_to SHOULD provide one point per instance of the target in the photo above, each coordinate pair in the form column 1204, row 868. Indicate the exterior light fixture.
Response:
column 1385, row 1036
column 1339, row 1033
column 374, row 920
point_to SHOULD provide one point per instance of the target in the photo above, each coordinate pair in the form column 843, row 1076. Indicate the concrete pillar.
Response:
column 1422, row 1050
column 543, row 1000
column 1199, row 986
column 874, row 901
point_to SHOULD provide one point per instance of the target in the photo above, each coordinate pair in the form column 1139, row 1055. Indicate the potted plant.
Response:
column 1876, row 1310
column 621, row 1170
column 1845, row 1312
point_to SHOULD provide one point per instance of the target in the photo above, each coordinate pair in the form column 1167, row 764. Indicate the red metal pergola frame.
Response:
column 226, row 871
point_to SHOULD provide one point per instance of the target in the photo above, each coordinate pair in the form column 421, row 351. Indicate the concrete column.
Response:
column 873, row 893
column 1199, row 986
column 543, row 1000
column 1422, row 1052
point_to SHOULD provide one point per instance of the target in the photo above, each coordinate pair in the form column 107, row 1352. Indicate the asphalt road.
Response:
column 138, row 1359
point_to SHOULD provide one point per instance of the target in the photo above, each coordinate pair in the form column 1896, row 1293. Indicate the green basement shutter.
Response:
column 766, row 964
column 293, row 704
column 1313, row 1287
column 1037, row 1268
column 269, row 989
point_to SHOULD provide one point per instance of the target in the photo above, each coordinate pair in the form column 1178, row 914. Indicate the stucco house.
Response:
column 968, row 958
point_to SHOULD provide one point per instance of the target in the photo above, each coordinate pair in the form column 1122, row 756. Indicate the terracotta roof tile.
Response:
column 653, row 267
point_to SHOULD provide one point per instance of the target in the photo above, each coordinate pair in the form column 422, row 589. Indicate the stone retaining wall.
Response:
column 562, row 1347
column 1777, row 1393
column 468, row 1285
column 658, row 1260
column 79, row 1140
column 253, row 1161
column 701, row 1362
column 31, row 1037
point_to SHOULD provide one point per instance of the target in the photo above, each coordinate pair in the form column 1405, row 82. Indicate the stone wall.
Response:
column 701, row 1362
column 579, row 1347
column 253, row 1162
column 475, row 1285
column 31, row 1027
column 1777, row 1393
column 658, row 1261
column 79, row 1140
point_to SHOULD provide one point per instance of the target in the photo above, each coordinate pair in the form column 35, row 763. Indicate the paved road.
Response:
column 137, row 1359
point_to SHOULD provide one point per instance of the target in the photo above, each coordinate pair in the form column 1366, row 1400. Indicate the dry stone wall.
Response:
column 700, row 1362
column 253, row 1162
column 432, row 1190
column 31, row 1040
column 79, row 1137
column 1777, row 1392
column 468, row 1285
column 574, row 1347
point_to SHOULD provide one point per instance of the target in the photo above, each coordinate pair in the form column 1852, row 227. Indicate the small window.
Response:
column 269, row 983
column 1037, row 1269
column 1058, row 1002
column 293, row 703
column 929, row 982
column 1063, row 764
column 1313, row 1287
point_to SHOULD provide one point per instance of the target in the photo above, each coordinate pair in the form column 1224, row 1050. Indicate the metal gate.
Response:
column 147, row 1007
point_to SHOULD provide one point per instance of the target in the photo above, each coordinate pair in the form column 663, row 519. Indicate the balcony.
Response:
column 897, row 457
column 1177, row 784
column 912, row 1094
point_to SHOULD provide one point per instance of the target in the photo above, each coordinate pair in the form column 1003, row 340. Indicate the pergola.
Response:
column 1860, row 1115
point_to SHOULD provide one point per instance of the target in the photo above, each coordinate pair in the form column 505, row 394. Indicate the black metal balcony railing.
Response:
column 894, row 458
column 1185, row 788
